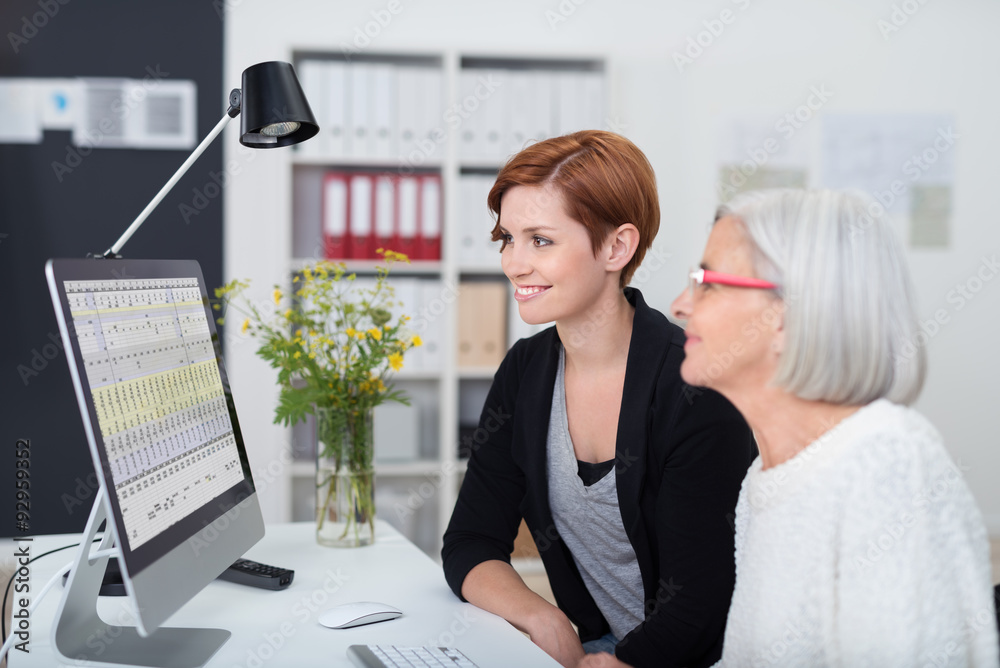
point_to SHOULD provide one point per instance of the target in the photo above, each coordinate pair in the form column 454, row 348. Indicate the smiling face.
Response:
column 549, row 258
column 734, row 334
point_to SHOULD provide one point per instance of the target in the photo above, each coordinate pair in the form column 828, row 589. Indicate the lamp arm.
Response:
column 233, row 111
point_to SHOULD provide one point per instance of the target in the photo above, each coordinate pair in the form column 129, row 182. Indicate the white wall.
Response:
column 944, row 59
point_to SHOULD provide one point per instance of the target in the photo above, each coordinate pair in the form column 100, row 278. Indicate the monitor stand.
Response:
column 80, row 636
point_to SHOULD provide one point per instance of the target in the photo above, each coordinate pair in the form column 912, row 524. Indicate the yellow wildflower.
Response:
column 393, row 256
column 375, row 333
column 246, row 325
column 396, row 361
column 416, row 341
column 295, row 280
column 351, row 331
column 277, row 296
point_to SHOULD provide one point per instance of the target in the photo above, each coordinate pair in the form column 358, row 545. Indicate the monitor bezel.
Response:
column 73, row 269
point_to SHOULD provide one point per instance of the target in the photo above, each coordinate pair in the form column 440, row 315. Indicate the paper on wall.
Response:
column 761, row 151
column 905, row 161
column 20, row 120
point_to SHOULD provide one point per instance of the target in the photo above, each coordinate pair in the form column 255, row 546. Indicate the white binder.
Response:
column 338, row 99
column 470, row 116
column 494, row 111
column 476, row 249
column 542, row 105
column 312, row 74
column 432, row 294
column 359, row 120
column 466, row 241
column 396, row 432
column 408, row 82
column 383, row 80
column 483, row 222
column 520, row 103
column 407, row 296
column 431, row 128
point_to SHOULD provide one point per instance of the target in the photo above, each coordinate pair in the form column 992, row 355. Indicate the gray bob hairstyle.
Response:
column 851, row 332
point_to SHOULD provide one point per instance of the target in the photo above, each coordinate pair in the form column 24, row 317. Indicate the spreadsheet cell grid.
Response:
column 161, row 406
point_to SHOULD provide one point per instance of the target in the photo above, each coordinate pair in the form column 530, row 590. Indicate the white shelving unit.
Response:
column 415, row 496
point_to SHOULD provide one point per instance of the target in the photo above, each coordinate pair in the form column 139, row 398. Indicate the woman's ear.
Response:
column 622, row 246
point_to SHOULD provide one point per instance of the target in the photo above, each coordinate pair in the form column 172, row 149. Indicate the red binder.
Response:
column 362, row 217
column 336, row 198
column 408, row 216
column 385, row 211
column 429, row 239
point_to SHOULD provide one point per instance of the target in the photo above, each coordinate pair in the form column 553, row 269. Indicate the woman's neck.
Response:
column 784, row 424
column 601, row 335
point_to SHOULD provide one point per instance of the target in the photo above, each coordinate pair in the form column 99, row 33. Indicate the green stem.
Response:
column 331, row 493
column 346, row 439
column 362, row 504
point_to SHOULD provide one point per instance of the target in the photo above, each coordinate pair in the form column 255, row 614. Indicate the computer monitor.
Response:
column 175, row 483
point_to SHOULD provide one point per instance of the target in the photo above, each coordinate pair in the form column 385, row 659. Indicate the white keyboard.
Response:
column 392, row 656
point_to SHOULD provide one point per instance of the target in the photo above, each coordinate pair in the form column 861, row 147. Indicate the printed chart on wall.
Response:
column 759, row 152
column 161, row 406
column 905, row 161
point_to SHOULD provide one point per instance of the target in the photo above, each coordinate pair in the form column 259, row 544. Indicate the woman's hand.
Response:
column 495, row 586
column 602, row 660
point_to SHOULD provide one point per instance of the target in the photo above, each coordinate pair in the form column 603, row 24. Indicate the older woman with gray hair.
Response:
column 857, row 540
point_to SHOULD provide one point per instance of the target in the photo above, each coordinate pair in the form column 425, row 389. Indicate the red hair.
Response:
column 604, row 179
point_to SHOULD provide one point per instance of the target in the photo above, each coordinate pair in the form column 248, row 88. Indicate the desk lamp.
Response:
column 274, row 113
column 172, row 548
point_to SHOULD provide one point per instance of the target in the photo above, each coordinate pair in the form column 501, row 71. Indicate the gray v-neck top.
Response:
column 590, row 523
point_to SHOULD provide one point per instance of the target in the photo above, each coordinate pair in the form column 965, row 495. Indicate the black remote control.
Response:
column 255, row 574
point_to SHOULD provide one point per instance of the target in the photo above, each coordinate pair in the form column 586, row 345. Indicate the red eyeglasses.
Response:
column 705, row 276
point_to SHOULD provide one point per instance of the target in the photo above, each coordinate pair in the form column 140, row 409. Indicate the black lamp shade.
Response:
column 272, row 96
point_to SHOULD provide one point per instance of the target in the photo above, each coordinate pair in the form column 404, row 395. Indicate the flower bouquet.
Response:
column 335, row 344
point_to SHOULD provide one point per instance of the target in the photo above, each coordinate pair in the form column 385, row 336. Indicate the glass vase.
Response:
column 345, row 478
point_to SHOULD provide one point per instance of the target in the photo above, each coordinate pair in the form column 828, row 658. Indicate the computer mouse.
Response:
column 347, row 615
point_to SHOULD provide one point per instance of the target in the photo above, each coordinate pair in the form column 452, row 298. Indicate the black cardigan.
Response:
column 682, row 453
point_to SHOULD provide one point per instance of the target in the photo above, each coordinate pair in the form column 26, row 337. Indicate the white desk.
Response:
column 280, row 628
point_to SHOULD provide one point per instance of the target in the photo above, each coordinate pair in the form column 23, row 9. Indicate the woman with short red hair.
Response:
column 626, row 476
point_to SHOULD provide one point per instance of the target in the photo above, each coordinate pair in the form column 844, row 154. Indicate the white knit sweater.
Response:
column 865, row 549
